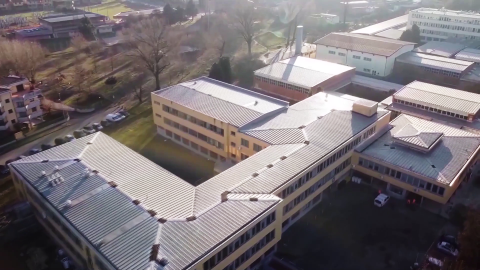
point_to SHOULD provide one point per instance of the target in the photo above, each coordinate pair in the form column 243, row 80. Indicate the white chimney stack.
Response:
column 299, row 40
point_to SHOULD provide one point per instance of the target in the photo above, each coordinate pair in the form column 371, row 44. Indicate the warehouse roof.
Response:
column 436, row 62
column 64, row 18
column 442, row 163
column 363, row 43
column 104, row 189
column 448, row 12
column 391, row 34
column 385, row 25
column 469, row 54
column 440, row 48
column 439, row 97
column 375, row 83
column 302, row 71
column 222, row 101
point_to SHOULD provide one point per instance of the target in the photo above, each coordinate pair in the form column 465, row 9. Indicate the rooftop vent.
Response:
column 162, row 262
column 301, row 127
column 256, row 102
column 307, row 142
column 44, row 173
column 112, row 184
column 45, row 161
column 77, row 160
column 57, row 168
column 191, row 218
column 95, row 172
column 283, row 157
column 253, row 199
column 154, row 252
column 254, row 174
column 392, row 147
column 68, row 203
column 162, row 220
column 269, row 165
column 136, row 202
column 86, row 172
column 224, row 196
column 433, row 166
column 152, row 213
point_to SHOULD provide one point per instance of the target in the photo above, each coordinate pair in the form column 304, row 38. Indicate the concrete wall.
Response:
column 9, row 106
column 288, row 94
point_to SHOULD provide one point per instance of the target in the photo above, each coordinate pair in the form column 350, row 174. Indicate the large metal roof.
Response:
column 103, row 203
column 385, row 25
column 440, row 48
column 363, row 43
column 469, row 54
column 391, row 34
column 302, row 71
column 442, row 163
column 439, row 97
column 222, row 101
column 437, row 62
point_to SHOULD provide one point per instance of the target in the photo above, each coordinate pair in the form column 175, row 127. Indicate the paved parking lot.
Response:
column 346, row 231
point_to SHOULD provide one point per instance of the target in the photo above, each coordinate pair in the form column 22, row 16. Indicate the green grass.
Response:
column 109, row 8
column 135, row 132
column 270, row 40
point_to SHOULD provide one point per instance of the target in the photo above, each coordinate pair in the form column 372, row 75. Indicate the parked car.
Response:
column 46, row 146
column 89, row 130
column 34, row 151
column 452, row 240
column 69, row 138
column 447, row 248
column 381, row 200
column 124, row 113
column 97, row 126
column 4, row 171
column 79, row 134
column 105, row 123
column 114, row 117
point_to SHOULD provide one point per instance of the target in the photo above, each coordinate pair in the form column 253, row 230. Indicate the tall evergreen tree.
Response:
column 216, row 72
column 168, row 13
column 179, row 15
column 224, row 64
column 191, row 9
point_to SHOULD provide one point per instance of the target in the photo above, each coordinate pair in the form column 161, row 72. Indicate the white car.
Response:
column 114, row 117
column 381, row 200
column 69, row 138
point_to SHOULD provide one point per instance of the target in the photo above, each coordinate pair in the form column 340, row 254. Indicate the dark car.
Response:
column 452, row 240
column 34, row 151
column 79, row 134
column 4, row 171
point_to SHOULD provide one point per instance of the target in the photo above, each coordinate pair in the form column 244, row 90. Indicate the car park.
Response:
column 381, row 200
column 447, row 248
column 114, row 117
column 89, row 130
column 124, row 113
column 97, row 126
column 69, row 138
column 105, row 123
column 79, row 134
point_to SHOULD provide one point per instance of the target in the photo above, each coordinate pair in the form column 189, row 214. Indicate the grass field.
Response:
column 270, row 40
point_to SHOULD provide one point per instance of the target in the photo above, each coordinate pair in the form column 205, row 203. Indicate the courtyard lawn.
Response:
column 346, row 231
column 108, row 8
column 139, row 133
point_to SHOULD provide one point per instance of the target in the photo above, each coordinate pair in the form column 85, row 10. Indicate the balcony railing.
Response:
column 20, row 109
column 33, row 104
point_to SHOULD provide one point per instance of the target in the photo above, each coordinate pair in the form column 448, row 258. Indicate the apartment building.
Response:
column 418, row 159
column 21, row 104
column 111, row 208
column 441, row 24
column 368, row 54
column 299, row 77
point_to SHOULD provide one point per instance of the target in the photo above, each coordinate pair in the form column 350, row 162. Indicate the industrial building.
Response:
column 441, row 24
column 299, row 77
column 389, row 29
column 111, row 208
column 440, row 48
column 368, row 54
column 66, row 25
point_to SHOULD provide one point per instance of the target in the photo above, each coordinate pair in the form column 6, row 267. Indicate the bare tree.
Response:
column 138, row 92
column 94, row 48
column 21, row 58
column 151, row 44
column 244, row 18
column 79, row 77
column 78, row 43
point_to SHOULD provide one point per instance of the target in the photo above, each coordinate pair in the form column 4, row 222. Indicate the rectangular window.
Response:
column 176, row 137
column 168, row 133
column 245, row 143
column 156, row 102
column 233, row 144
column 194, row 145
column 213, row 155
column 185, row 141
column 367, row 70
column 204, row 150
column 243, row 156
column 331, row 52
column 367, row 59
column 341, row 54
column 356, row 57
column 158, row 115
column 256, row 147
column 232, row 133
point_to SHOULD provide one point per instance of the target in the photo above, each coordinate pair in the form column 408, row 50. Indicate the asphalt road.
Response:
column 77, row 121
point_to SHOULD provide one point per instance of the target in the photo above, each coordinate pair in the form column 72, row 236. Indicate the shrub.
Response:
column 59, row 141
column 111, row 80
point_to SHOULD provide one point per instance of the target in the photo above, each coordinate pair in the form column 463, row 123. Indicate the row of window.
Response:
column 411, row 180
column 443, row 72
column 194, row 146
column 192, row 132
column 246, row 143
column 316, row 186
column 251, row 251
column 225, row 252
column 448, row 26
column 284, row 85
column 340, row 153
column 445, row 19
column 192, row 119
column 427, row 108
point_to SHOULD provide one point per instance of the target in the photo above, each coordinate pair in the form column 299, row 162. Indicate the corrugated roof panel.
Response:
column 379, row 27
column 278, row 136
column 468, row 54
column 448, row 156
column 442, row 63
column 440, row 48
column 448, row 99
column 363, row 43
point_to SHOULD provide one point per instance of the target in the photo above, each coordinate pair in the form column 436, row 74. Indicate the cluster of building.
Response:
column 18, row 104
column 111, row 208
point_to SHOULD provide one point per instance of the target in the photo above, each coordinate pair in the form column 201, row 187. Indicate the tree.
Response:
column 179, row 15
column 138, row 88
column 411, row 35
column 87, row 29
column 244, row 18
column 59, row 141
column 80, row 76
column 191, row 10
column 168, row 13
column 469, row 239
column 151, row 44
column 34, row 56
column 216, row 72
column 21, row 58
column 224, row 64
